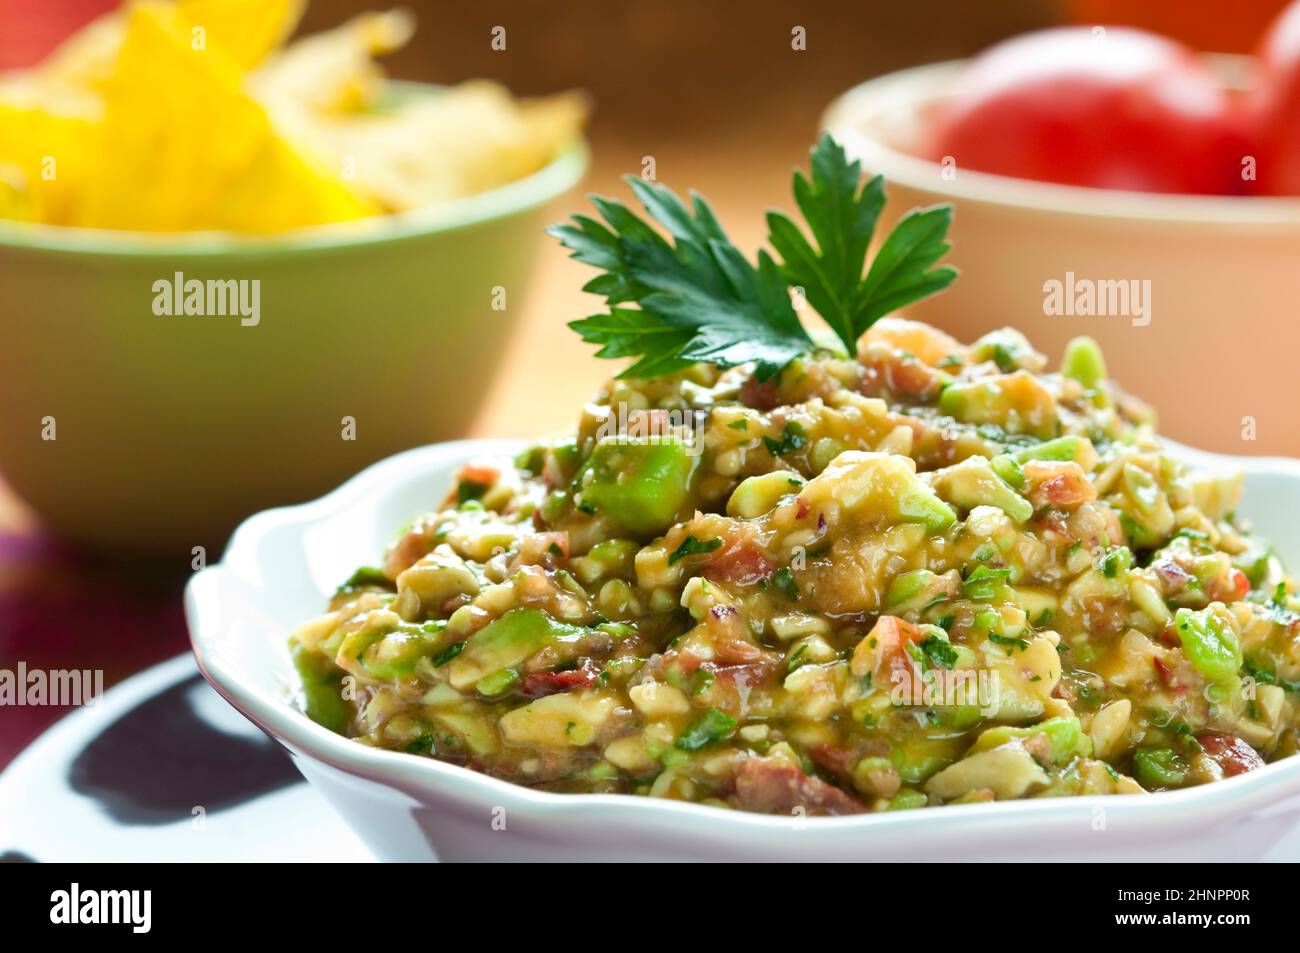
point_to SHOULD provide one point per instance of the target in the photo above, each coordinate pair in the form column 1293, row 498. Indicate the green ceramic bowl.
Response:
column 129, row 429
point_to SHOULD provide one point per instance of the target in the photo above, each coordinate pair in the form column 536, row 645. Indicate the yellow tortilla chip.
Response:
column 247, row 30
column 181, row 115
column 183, row 133
column 282, row 189
column 177, row 126
column 334, row 71
column 437, row 147
column 46, row 133
column 86, row 59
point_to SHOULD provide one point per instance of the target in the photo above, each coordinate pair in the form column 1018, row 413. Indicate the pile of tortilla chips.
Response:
column 189, row 115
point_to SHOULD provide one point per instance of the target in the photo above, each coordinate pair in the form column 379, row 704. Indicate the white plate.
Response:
column 282, row 565
column 162, row 770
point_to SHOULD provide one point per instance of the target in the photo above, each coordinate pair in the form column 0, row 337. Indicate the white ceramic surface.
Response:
column 282, row 565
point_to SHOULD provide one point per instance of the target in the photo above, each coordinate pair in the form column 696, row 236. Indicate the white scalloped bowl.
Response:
column 282, row 564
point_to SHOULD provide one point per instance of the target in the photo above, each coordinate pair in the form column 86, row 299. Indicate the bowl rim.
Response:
column 849, row 114
column 537, row 188
column 432, row 780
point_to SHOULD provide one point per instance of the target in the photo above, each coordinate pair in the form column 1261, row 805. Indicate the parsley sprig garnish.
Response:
column 697, row 298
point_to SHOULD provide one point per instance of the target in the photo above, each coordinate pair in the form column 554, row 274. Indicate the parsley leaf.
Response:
column 698, row 298
column 939, row 651
column 842, row 219
column 785, row 583
column 793, row 437
column 999, row 639
column 713, row 725
column 447, row 654
column 694, row 547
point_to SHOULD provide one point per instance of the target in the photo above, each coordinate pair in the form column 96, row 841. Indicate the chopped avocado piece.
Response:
column 322, row 687
column 1066, row 735
column 506, row 642
column 1141, row 488
column 1115, row 562
column 883, row 487
column 911, row 590
column 614, row 555
column 907, row 799
column 1159, row 768
column 916, row 759
column 757, row 495
column 354, row 644
column 713, row 725
column 396, row 653
column 366, row 576
column 1005, row 347
column 1209, row 644
column 498, row 683
column 531, row 459
column 862, row 771
column 642, row 484
column 1016, row 402
column 1008, row 467
column 973, row 482
column 1077, row 449
column 566, row 457
column 479, row 734
column 1068, row 739
column 1083, row 362
column 984, row 584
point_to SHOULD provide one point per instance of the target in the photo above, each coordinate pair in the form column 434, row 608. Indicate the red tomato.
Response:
column 1276, row 105
column 1116, row 109
column 1233, row 755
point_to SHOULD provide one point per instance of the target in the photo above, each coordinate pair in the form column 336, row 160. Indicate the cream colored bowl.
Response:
column 1210, row 333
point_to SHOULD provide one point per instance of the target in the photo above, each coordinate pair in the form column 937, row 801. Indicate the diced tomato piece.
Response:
column 481, row 473
column 403, row 554
column 886, row 645
column 1062, row 484
column 537, row 684
column 1167, row 675
column 761, row 395
column 834, row 759
column 771, row 786
column 730, row 637
column 741, row 563
column 1233, row 755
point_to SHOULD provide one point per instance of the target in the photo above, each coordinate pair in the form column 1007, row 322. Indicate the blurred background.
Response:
column 712, row 92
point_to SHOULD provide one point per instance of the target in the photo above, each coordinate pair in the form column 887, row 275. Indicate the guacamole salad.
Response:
column 831, row 572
